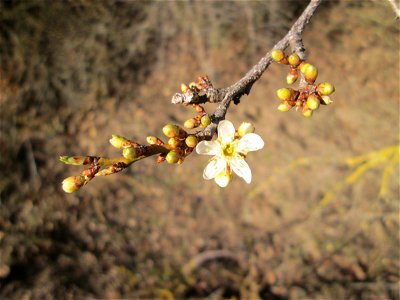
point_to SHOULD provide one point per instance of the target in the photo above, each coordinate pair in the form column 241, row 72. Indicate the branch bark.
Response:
column 224, row 96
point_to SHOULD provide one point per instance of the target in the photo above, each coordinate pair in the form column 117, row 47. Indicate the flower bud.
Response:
column 308, row 113
column 73, row 183
column 326, row 100
column 303, row 66
column 310, row 74
column 191, row 141
column 184, row 88
column 286, row 94
column 278, row 55
column 173, row 142
column 172, row 157
column 313, row 102
column 130, row 153
column 205, row 120
column 245, row 128
column 171, row 130
column 152, row 140
column 284, row 107
column 325, row 88
column 292, row 76
column 190, row 124
column 294, row 59
column 120, row 142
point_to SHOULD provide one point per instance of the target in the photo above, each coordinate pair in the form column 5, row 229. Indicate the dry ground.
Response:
column 318, row 221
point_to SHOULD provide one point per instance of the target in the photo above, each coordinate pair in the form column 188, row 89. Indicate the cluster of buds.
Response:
column 309, row 96
column 200, row 91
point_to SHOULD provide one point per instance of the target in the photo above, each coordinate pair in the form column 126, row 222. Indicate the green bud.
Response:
column 284, row 107
column 313, row 102
column 326, row 100
column 172, row 157
column 284, row 94
column 325, row 88
column 191, row 141
column 205, row 120
column 173, row 142
column 245, row 128
column 130, row 153
column 119, row 142
column 278, row 55
column 73, row 183
column 190, row 124
column 308, row 113
column 311, row 74
column 73, row 160
column 171, row 130
column 294, row 59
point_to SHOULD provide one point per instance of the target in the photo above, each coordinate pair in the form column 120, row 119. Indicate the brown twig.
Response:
column 224, row 96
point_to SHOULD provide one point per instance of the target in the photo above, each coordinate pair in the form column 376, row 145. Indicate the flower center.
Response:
column 229, row 149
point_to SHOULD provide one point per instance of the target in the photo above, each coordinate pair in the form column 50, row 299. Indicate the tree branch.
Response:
column 224, row 96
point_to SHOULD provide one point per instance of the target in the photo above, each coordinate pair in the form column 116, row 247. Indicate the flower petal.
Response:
column 241, row 168
column 226, row 131
column 214, row 167
column 223, row 179
column 208, row 148
column 250, row 142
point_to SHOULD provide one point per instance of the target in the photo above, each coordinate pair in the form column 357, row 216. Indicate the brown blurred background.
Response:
column 319, row 220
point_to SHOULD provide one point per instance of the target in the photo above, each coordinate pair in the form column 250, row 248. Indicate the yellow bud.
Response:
column 278, row 55
column 294, row 59
column 190, row 124
column 284, row 107
column 245, row 128
column 303, row 66
column 73, row 183
column 307, row 113
column 313, row 102
column 171, row 130
column 172, row 157
column 191, row 141
column 173, row 142
column 284, row 94
column 326, row 100
column 310, row 74
column 152, row 140
column 325, row 88
column 205, row 120
column 129, row 153
column 184, row 88
column 119, row 142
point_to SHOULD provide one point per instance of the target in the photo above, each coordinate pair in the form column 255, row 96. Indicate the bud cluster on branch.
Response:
column 232, row 146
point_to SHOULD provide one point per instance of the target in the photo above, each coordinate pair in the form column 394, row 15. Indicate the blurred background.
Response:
column 321, row 216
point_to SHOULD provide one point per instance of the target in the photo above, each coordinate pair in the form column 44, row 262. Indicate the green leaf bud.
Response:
column 120, row 142
column 284, row 94
column 190, row 124
column 191, row 141
column 308, row 113
column 130, row 153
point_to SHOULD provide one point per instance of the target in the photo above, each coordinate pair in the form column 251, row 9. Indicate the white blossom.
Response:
column 229, row 152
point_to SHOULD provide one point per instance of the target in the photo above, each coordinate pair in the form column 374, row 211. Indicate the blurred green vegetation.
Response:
column 320, row 219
